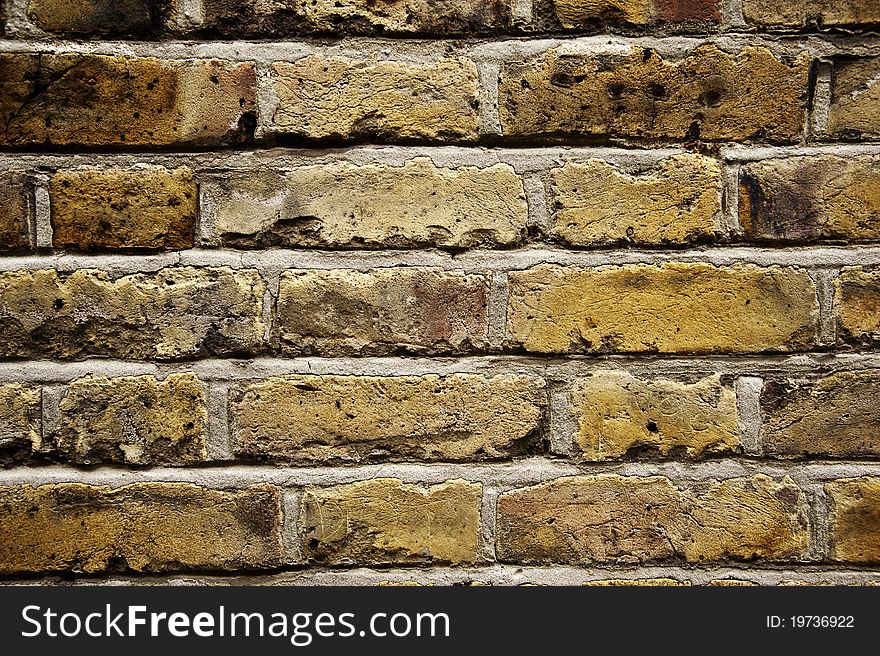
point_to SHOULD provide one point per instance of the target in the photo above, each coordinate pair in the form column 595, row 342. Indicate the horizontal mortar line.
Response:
column 506, row 475
column 738, row 153
column 480, row 49
column 500, row 573
column 525, row 29
column 552, row 368
column 479, row 260
column 525, row 159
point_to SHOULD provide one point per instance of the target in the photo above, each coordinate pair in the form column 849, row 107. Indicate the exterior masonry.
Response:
column 552, row 292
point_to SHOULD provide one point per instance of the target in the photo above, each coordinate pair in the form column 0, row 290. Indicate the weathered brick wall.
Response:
column 500, row 291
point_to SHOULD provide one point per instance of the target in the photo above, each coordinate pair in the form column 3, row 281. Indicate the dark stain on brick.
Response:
column 15, row 190
column 774, row 395
column 259, row 509
column 685, row 10
column 63, row 99
column 116, row 17
column 781, row 209
column 243, row 135
column 420, row 17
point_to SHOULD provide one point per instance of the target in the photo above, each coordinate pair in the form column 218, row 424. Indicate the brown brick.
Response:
column 588, row 519
column 136, row 420
column 801, row 13
column 857, row 307
column 342, row 205
column 145, row 527
column 95, row 100
column 122, row 17
column 14, row 212
column 315, row 419
column 667, row 308
column 384, row 521
column 836, row 415
column 620, row 415
column 117, row 209
column 20, row 423
column 744, row 519
column 811, row 198
column 252, row 17
column 625, row 520
column 634, row 92
column 382, row 311
column 338, row 99
column 688, row 10
column 855, row 99
column 855, row 520
column 175, row 313
column 675, row 203
column 585, row 13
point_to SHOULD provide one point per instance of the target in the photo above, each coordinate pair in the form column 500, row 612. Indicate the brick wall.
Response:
column 484, row 291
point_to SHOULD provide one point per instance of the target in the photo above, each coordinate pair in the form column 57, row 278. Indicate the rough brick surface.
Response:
column 855, row 99
column 175, row 313
column 801, row 13
column 836, row 415
column 709, row 95
column 855, row 519
column 585, row 13
column 340, row 99
column 123, row 209
column 395, row 310
column 20, row 423
column 857, row 306
column 590, row 519
column 620, row 415
column 323, row 419
column 373, row 206
column 626, row 520
column 279, row 17
column 810, row 198
column 675, row 203
column 475, row 245
column 14, row 212
column 145, row 527
column 576, row 13
column 669, row 308
column 135, row 420
column 744, row 519
column 383, row 521
column 93, row 100
column 118, row 17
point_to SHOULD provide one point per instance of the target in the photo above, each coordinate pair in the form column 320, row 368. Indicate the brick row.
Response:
column 305, row 420
column 251, row 18
column 583, row 520
column 183, row 313
column 594, row 203
column 622, row 92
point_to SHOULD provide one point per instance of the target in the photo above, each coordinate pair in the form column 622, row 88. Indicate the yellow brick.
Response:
column 668, row 308
column 618, row 413
column 337, row 98
column 322, row 419
column 384, row 521
column 674, row 203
